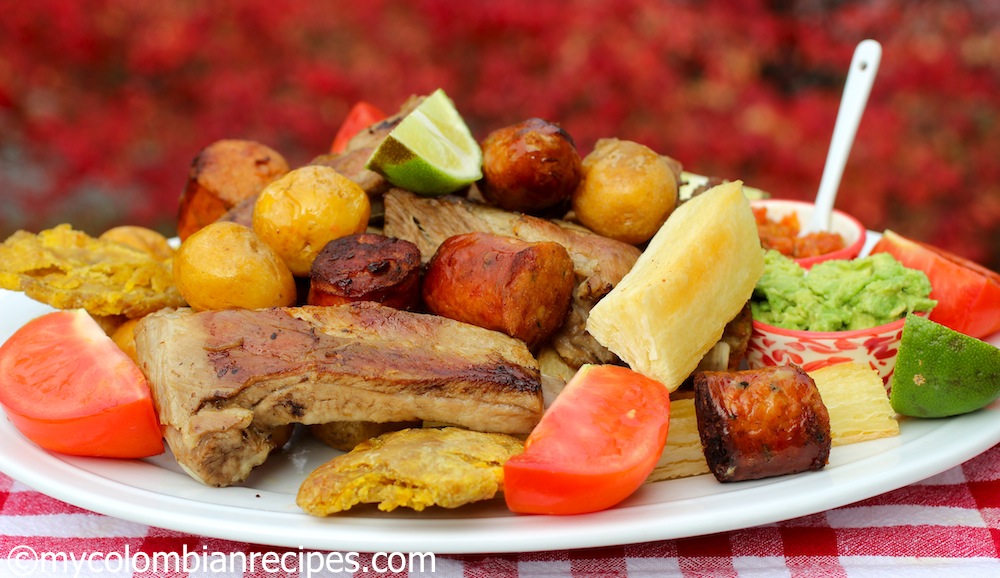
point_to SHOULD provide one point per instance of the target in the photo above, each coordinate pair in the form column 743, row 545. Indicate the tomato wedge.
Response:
column 67, row 387
column 968, row 294
column 594, row 446
column 362, row 115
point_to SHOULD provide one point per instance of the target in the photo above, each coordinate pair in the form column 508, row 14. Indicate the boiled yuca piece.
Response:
column 682, row 455
column 855, row 397
column 695, row 275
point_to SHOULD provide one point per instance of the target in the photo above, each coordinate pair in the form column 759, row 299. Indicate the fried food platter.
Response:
column 262, row 510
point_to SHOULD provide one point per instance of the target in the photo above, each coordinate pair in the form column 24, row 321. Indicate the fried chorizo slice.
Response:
column 366, row 267
column 519, row 288
column 222, row 175
column 760, row 423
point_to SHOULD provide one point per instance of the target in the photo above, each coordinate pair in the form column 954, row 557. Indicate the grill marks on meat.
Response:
column 228, row 383
column 599, row 263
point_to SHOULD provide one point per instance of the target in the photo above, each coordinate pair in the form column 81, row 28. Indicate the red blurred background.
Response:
column 104, row 103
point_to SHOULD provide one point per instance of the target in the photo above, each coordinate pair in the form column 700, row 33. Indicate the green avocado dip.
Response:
column 838, row 295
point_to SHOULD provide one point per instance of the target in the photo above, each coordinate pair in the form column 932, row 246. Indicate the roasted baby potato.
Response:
column 141, row 238
column 627, row 191
column 346, row 435
column 298, row 214
column 124, row 338
column 530, row 167
column 223, row 174
column 519, row 288
column 225, row 265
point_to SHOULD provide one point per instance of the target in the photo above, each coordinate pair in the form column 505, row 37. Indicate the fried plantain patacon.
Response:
column 414, row 468
column 69, row 269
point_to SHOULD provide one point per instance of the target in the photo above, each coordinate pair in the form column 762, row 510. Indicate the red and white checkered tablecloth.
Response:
column 947, row 525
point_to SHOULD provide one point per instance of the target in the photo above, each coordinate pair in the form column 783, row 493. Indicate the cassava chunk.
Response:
column 682, row 456
column 856, row 400
column 695, row 275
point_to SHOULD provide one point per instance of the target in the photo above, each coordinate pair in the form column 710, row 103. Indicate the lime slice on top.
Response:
column 431, row 151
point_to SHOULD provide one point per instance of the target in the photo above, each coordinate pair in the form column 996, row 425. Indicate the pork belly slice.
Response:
column 228, row 383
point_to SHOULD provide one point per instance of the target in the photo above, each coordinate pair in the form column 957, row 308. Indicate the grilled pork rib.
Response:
column 598, row 262
column 227, row 383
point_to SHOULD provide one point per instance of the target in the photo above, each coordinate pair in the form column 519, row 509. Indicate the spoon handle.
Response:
column 860, row 77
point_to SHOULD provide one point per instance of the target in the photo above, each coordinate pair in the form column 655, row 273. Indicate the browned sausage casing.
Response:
column 519, row 288
column 223, row 174
column 530, row 166
column 760, row 423
column 366, row 267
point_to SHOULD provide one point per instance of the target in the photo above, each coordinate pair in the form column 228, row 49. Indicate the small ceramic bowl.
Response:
column 853, row 232
column 875, row 347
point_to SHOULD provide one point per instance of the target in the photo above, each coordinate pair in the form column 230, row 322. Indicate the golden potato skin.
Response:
column 627, row 191
column 223, row 174
column 519, row 288
column 299, row 213
column 141, row 238
column 346, row 435
column 530, row 167
column 124, row 337
column 225, row 265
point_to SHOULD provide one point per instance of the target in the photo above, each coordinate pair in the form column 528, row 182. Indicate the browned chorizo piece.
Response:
column 760, row 423
column 223, row 174
column 519, row 288
column 366, row 267
column 530, row 167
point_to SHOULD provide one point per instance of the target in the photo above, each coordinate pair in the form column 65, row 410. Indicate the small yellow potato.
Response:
column 299, row 213
column 225, row 265
column 124, row 337
column 146, row 240
column 627, row 191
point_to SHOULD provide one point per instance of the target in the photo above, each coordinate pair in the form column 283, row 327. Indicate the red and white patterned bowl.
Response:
column 876, row 347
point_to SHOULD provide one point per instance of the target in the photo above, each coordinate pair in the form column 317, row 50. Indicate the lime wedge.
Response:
column 431, row 151
column 941, row 372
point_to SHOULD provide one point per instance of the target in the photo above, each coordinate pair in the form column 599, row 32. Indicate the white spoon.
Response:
column 860, row 77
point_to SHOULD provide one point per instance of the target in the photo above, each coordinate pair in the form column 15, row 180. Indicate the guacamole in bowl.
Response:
column 838, row 295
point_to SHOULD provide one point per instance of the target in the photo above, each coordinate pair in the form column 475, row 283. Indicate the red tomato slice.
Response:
column 968, row 294
column 594, row 446
column 67, row 387
column 361, row 115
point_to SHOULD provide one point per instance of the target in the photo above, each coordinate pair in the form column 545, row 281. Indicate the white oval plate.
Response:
column 156, row 492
